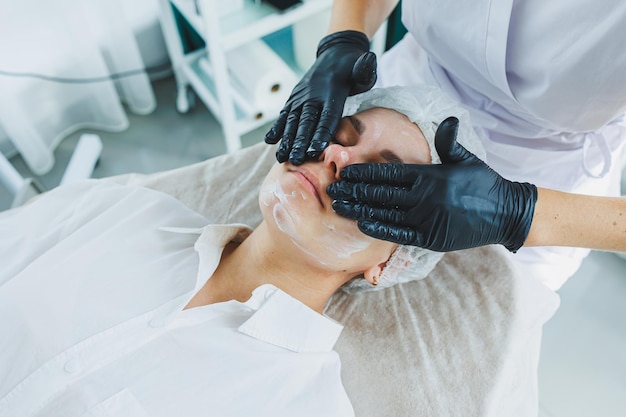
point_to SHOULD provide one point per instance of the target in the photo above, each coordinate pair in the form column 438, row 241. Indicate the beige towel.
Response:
column 462, row 342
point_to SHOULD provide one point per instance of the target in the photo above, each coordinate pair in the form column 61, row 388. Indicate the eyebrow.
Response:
column 387, row 154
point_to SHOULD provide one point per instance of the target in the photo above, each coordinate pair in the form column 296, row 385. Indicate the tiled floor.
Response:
column 583, row 364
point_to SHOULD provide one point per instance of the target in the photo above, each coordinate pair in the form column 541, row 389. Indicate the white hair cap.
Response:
column 426, row 106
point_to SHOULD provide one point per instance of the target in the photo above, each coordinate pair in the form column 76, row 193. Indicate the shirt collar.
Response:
column 288, row 323
column 279, row 319
column 210, row 244
column 213, row 235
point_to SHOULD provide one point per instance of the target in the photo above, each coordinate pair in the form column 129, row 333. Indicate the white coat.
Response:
column 545, row 84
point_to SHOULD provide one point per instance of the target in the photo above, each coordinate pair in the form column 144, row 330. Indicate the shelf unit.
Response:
column 205, row 71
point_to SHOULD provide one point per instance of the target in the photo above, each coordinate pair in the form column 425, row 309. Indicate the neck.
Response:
column 262, row 260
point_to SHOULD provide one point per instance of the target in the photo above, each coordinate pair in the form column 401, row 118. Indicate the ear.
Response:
column 372, row 274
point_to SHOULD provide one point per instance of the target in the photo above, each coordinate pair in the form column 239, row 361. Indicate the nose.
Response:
column 336, row 157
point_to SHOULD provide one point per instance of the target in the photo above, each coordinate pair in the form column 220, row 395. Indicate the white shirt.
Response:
column 93, row 281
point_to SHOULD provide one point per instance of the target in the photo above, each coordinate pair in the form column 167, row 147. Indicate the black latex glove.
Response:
column 460, row 204
column 344, row 66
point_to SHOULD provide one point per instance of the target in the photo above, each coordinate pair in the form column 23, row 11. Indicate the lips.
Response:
column 309, row 181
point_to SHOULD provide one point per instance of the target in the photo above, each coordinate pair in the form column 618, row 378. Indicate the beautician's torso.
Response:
column 536, row 78
column 558, row 66
column 543, row 83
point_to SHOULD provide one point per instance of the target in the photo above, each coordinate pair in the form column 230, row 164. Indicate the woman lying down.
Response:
column 119, row 300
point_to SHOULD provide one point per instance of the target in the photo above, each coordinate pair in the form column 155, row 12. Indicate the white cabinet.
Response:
column 225, row 32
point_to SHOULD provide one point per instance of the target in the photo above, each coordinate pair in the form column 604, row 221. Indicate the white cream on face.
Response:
column 378, row 129
column 330, row 244
column 343, row 244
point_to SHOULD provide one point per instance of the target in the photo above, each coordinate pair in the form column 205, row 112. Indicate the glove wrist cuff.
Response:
column 346, row 37
column 524, row 218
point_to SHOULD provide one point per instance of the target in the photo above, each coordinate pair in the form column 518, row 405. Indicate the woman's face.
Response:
column 294, row 202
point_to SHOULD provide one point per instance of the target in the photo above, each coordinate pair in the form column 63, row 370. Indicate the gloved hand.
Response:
column 460, row 204
column 344, row 67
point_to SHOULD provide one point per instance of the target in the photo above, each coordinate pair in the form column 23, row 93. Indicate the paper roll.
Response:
column 261, row 75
